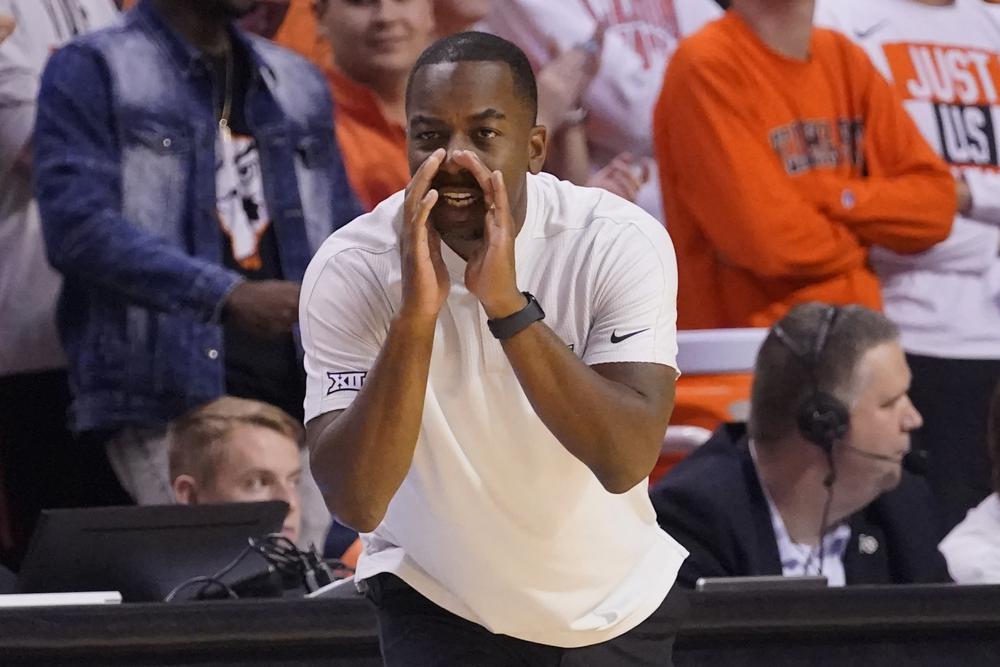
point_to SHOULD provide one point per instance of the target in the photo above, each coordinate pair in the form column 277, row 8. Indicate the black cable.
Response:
column 198, row 580
column 281, row 555
column 291, row 561
column 229, row 567
column 213, row 578
column 232, row 564
column 828, row 483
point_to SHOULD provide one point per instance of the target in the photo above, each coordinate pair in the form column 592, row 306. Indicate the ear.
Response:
column 538, row 143
column 186, row 490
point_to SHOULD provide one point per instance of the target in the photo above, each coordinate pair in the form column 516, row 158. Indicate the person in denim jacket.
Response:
column 186, row 171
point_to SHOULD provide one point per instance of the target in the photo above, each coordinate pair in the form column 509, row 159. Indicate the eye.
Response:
column 487, row 133
column 428, row 135
column 255, row 483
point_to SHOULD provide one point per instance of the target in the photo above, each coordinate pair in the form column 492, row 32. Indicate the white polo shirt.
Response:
column 495, row 521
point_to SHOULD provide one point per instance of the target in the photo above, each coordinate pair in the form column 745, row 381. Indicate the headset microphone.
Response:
column 913, row 461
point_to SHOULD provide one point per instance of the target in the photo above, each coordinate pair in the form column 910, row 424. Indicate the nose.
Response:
column 450, row 166
column 286, row 492
column 912, row 419
column 290, row 494
column 387, row 11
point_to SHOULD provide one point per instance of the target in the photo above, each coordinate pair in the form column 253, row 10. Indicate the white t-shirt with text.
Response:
column 944, row 62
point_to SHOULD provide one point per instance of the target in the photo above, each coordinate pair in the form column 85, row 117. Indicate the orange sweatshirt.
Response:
column 300, row 32
column 777, row 174
column 373, row 147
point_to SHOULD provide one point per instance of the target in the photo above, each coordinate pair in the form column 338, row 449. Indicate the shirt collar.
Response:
column 800, row 559
column 358, row 100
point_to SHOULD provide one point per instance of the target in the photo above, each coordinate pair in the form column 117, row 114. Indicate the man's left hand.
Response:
column 490, row 272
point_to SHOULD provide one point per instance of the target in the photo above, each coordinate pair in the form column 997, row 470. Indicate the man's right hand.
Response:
column 265, row 308
column 425, row 276
column 564, row 79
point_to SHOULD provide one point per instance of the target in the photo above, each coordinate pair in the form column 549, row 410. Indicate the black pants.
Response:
column 43, row 465
column 413, row 632
column 953, row 396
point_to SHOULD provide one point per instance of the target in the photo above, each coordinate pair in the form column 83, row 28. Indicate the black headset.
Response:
column 822, row 418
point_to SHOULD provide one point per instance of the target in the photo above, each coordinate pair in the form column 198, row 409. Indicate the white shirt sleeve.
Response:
column 634, row 312
column 972, row 548
column 344, row 316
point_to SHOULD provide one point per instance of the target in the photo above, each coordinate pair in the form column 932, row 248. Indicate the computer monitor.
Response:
column 144, row 552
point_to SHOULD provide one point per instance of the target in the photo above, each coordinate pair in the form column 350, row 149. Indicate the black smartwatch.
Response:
column 505, row 327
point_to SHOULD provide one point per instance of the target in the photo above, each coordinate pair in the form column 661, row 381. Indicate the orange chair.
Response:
column 717, row 367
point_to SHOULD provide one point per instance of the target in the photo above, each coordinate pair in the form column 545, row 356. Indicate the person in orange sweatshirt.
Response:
column 784, row 156
column 300, row 33
column 374, row 46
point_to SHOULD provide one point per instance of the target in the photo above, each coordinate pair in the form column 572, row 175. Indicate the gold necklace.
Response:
column 227, row 100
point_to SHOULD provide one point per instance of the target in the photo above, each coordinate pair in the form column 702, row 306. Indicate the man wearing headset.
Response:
column 815, row 482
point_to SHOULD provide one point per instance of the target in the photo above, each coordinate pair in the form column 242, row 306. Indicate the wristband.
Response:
column 505, row 327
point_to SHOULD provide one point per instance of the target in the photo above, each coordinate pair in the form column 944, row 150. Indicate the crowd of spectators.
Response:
column 166, row 175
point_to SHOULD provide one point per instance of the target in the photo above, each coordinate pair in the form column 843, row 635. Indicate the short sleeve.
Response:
column 344, row 315
column 634, row 309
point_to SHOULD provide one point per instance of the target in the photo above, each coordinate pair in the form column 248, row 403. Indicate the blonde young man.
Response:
column 238, row 450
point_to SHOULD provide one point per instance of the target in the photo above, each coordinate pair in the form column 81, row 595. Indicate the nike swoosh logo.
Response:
column 861, row 34
column 615, row 338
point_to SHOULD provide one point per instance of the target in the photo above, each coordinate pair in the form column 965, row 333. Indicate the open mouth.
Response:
column 459, row 200
column 460, row 197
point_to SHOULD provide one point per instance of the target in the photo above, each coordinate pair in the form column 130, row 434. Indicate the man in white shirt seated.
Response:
column 813, row 484
column 494, row 455
column 972, row 548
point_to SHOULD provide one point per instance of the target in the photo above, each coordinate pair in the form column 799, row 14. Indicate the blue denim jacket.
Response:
column 124, row 152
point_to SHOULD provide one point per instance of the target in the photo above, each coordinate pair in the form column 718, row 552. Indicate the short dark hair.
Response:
column 481, row 47
column 197, row 438
column 782, row 381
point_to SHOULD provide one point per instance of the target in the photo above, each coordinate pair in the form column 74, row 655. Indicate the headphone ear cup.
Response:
column 823, row 419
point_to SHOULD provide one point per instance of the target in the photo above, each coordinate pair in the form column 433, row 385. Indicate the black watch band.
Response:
column 505, row 327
